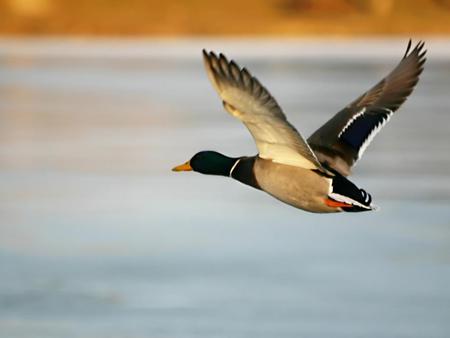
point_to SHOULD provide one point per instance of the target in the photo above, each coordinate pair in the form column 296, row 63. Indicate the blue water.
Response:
column 98, row 238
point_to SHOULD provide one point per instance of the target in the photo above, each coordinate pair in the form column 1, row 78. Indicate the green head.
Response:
column 209, row 163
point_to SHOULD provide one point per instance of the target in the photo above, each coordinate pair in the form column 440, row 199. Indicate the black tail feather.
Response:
column 343, row 187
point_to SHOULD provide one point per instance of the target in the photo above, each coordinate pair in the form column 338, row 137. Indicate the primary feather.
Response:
column 245, row 98
column 341, row 142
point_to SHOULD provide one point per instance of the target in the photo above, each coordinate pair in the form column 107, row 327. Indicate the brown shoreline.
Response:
column 199, row 17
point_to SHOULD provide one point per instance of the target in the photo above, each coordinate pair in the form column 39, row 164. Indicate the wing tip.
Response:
column 209, row 55
column 418, row 50
column 408, row 47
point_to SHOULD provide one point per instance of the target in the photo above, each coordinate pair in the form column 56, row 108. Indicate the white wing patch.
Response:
column 374, row 132
column 349, row 122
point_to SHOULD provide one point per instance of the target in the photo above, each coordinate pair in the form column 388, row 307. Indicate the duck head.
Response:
column 209, row 163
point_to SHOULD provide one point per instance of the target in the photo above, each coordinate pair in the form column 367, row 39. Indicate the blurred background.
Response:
column 98, row 238
column 201, row 17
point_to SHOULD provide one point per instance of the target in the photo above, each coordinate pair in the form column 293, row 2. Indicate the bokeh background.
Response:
column 98, row 238
column 233, row 17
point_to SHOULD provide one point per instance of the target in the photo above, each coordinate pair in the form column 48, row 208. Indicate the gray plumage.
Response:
column 375, row 106
column 244, row 97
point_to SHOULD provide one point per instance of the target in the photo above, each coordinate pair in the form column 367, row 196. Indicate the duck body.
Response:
column 306, row 189
column 301, row 188
column 307, row 174
column 310, row 190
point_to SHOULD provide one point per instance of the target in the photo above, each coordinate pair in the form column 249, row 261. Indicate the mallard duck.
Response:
column 307, row 174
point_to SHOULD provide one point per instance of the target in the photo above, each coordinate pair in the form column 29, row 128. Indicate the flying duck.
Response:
column 307, row 174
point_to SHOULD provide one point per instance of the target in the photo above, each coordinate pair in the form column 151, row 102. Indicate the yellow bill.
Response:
column 183, row 167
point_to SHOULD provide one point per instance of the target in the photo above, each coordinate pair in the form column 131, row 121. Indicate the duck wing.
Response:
column 341, row 141
column 245, row 98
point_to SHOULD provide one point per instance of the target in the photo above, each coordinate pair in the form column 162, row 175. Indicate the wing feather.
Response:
column 341, row 141
column 248, row 100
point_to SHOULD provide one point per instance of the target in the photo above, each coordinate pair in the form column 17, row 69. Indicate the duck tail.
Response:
column 357, row 200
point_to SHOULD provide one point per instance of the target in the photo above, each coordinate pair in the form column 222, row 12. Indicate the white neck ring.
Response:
column 233, row 167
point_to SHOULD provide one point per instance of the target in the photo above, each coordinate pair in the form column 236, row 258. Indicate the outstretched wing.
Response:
column 341, row 141
column 245, row 98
